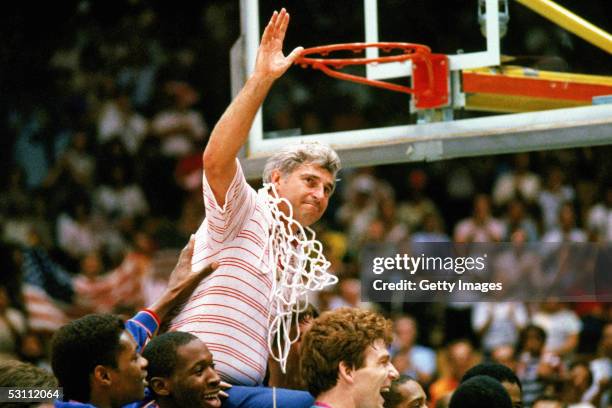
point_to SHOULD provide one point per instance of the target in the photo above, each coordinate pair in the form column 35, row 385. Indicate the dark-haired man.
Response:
column 181, row 374
column 480, row 391
column 97, row 358
column 504, row 375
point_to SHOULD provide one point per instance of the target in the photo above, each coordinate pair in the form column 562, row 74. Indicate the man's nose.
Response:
column 319, row 193
column 393, row 373
column 213, row 379
column 143, row 362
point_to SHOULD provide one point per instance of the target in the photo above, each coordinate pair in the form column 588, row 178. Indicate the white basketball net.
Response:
column 298, row 266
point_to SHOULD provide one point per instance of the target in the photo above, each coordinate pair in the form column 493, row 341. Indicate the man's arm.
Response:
column 231, row 131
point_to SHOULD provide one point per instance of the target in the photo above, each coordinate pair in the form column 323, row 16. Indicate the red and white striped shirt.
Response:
column 229, row 309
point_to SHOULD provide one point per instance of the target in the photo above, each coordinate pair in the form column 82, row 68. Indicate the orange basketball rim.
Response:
column 430, row 72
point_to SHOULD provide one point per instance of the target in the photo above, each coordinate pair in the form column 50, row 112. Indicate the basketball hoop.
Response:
column 429, row 71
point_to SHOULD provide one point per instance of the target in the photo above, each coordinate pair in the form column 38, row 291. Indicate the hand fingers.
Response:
column 224, row 386
column 190, row 245
column 187, row 252
column 207, row 270
column 294, row 54
column 274, row 18
column 282, row 24
column 268, row 33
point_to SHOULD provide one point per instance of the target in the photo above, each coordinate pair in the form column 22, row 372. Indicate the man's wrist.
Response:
column 153, row 314
column 262, row 78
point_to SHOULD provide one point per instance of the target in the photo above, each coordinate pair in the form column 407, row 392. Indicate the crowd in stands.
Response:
column 104, row 189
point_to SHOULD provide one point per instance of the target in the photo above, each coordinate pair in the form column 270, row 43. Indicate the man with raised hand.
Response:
column 258, row 239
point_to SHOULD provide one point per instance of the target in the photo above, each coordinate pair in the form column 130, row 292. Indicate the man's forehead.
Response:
column 127, row 341
column 413, row 389
column 316, row 170
column 193, row 352
column 312, row 168
column 378, row 349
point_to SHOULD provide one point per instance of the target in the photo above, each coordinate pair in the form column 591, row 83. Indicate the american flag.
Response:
column 121, row 287
column 45, row 314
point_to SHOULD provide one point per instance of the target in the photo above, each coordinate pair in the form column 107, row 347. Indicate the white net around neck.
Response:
column 297, row 265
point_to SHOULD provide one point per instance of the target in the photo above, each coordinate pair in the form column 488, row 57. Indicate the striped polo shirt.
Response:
column 229, row 310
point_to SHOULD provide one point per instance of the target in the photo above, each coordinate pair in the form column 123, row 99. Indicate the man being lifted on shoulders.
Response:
column 244, row 310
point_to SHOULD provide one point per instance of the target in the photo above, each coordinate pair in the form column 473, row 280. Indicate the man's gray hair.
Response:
column 290, row 157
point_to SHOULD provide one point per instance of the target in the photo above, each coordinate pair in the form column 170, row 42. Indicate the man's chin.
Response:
column 306, row 220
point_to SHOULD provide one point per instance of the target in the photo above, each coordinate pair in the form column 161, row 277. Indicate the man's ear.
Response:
column 160, row 386
column 345, row 372
column 275, row 177
column 102, row 375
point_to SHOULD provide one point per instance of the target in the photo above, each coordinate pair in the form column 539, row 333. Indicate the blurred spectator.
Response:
column 537, row 368
column 432, row 230
column 120, row 197
column 13, row 327
column 576, row 384
column 481, row 227
column 599, row 219
column 32, row 128
column 552, row 196
column 14, row 195
column 498, row 323
column 413, row 211
column 118, row 120
column 349, row 295
column 458, row 356
column 22, row 213
column 409, row 358
column 516, row 217
column 565, row 230
column 78, row 160
column 392, row 229
column 180, row 128
column 76, row 231
column 601, row 370
column 561, row 325
column 519, row 183
column 519, row 266
column 360, row 207
column 505, row 355
column 460, row 190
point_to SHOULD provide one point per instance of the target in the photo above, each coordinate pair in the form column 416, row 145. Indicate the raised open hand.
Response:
column 271, row 62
